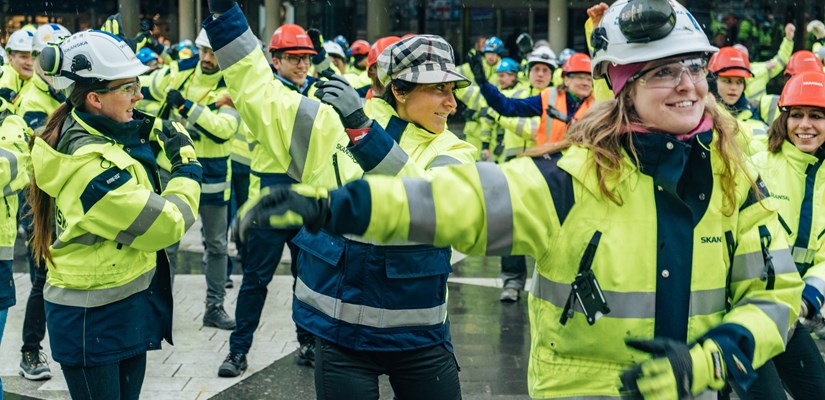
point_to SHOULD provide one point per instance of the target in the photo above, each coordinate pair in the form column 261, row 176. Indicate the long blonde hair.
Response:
column 603, row 128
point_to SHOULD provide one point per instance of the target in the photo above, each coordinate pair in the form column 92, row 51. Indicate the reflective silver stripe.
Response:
column 778, row 313
column 240, row 137
column 99, row 297
column 803, row 255
column 185, row 210
column 622, row 304
column 148, row 215
column 195, row 113
column 237, row 49
column 707, row 302
column 779, row 61
column 366, row 315
column 498, row 208
column 393, row 162
column 7, row 191
column 7, row 253
column 752, row 265
column 422, row 210
column 759, row 131
column 301, row 135
column 772, row 109
column 817, row 283
column 756, row 95
column 512, row 152
column 548, row 121
column 468, row 95
column 210, row 188
column 86, row 239
column 231, row 112
column 240, row 159
column 520, row 126
column 443, row 160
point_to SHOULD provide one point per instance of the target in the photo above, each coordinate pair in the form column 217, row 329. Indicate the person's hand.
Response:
column 675, row 370
column 319, row 61
column 790, row 30
column 220, row 6
column 595, row 13
column 177, row 144
column 485, row 155
column 345, row 100
column 554, row 113
column 175, row 99
column 817, row 28
column 225, row 101
column 113, row 25
column 477, row 66
column 525, row 43
column 286, row 207
column 499, row 150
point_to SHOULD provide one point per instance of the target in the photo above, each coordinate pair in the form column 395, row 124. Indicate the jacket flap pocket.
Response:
column 417, row 262
column 327, row 247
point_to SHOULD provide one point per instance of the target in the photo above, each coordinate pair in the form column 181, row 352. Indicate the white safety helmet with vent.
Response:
column 20, row 41
column 633, row 31
column 90, row 56
column 48, row 34
column 202, row 40
column 544, row 55
column 334, row 49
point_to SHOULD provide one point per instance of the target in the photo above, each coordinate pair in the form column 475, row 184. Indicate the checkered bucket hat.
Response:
column 420, row 59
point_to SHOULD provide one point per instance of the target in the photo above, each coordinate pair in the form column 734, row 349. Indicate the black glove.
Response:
column 175, row 99
column 499, row 150
column 178, row 146
column 194, row 134
column 553, row 112
column 469, row 115
column 146, row 25
column 345, row 100
column 476, row 65
column 220, row 6
column 317, row 44
column 488, row 113
column 287, row 207
column 525, row 43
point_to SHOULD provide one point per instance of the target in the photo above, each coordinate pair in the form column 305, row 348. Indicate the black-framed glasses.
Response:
column 129, row 88
column 296, row 59
column 670, row 75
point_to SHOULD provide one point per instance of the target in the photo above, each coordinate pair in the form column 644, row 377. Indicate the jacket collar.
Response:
column 123, row 133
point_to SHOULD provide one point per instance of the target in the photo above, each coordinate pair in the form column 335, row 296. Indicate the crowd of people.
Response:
column 670, row 207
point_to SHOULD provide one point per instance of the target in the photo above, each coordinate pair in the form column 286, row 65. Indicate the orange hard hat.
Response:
column 291, row 39
column 578, row 62
column 803, row 61
column 378, row 47
column 360, row 47
column 730, row 62
column 804, row 89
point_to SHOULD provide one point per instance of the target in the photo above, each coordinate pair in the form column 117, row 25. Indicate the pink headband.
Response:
column 619, row 75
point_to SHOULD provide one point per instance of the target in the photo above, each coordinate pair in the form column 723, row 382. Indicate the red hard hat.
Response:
column 360, row 47
column 291, row 39
column 378, row 47
column 578, row 62
column 730, row 62
column 804, row 89
column 803, row 61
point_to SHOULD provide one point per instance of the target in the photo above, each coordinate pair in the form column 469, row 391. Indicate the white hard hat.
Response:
column 543, row 55
column 334, row 49
column 202, row 40
column 640, row 31
column 49, row 33
column 20, row 41
column 817, row 28
column 90, row 56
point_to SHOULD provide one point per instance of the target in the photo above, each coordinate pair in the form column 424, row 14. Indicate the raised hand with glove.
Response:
column 319, row 60
column 345, row 100
column 179, row 149
column 675, row 370
column 477, row 66
column 286, row 207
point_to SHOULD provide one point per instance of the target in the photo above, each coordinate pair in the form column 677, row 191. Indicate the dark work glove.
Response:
column 175, row 99
column 287, row 207
column 220, row 6
column 477, row 66
column 345, row 100
column 499, row 150
column 488, row 113
column 554, row 113
column 114, row 25
column 318, row 45
column 469, row 115
column 178, row 146
column 146, row 25
column 525, row 43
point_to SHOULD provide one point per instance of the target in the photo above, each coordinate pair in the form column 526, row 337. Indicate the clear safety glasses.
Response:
column 128, row 88
column 670, row 75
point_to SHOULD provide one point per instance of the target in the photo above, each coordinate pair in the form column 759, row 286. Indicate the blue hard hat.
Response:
column 565, row 54
column 508, row 65
column 493, row 45
column 342, row 41
column 146, row 55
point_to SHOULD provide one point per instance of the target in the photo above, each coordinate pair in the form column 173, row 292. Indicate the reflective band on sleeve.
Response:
column 185, row 210
column 230, row 112
column 301, row 135
column 7, row 191
column 148, row 215
column 86, row 239
column 498, row 208
column 443, row 161
column 240, row 159
column 422, row 210
column 393, row 162
column 195, row 113
column 210, row 188
column 779, row 313
column 520, row 126
column 816, row 282
column 7, row 253
column 366, row 315
column 750, row 265
column 97, row 298
column 237, row 49
column 772, row 109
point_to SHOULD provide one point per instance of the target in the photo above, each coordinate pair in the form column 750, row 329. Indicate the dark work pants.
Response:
column 343, row 374
column 240, row 193
column 121, row 380
column 34, row 321
column 800, row 368
column 514, row 272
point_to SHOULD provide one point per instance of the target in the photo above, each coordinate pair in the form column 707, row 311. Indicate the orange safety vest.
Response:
column 556, row 129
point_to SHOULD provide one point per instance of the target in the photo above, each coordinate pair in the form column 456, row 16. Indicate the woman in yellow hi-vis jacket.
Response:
column 661, row 270
column 108, row 293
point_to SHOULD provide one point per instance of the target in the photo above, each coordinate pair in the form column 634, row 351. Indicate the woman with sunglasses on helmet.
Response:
column 108, row 296
column 646, row 224
column 791, row 169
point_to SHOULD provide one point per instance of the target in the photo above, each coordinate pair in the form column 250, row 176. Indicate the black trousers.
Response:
column 34, row 321
column 343, row 374
column 800, row 370
column 122, row 380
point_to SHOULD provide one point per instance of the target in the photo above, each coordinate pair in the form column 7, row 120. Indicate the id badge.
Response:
column 590, row 297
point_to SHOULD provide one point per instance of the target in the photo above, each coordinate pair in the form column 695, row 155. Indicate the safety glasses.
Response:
column 670, row 75
column 128, row 88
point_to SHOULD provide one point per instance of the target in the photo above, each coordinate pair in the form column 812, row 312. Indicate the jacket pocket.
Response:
column 326, row 247
column 416, row 277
